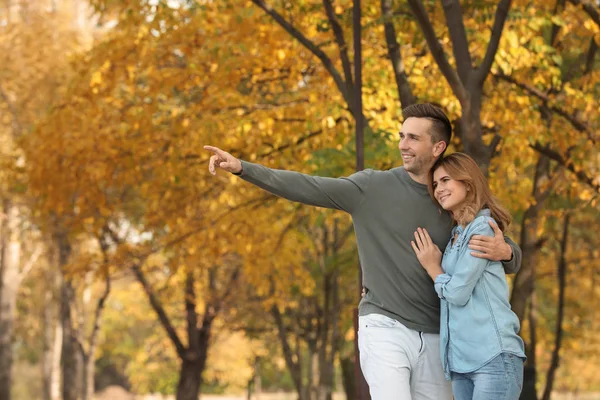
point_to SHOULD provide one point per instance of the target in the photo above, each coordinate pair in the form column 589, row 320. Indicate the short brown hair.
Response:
column 464, row 169
column 441, row 128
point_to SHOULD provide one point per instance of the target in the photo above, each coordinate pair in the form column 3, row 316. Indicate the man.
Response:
column 399, row 312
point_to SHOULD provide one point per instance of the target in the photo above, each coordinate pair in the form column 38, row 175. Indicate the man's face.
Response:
column 416, row 147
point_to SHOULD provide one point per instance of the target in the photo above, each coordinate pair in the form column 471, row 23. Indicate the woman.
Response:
column 481, row 351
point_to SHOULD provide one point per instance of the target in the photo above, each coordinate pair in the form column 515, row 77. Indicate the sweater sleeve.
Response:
column 513, row 265
column 458, row 287
column 344, row 194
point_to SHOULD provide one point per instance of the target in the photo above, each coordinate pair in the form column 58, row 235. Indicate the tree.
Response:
column 122, row 147
column 28, row 82
column 560, row 69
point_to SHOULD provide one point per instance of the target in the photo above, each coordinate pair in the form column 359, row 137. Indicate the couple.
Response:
column 400, row 228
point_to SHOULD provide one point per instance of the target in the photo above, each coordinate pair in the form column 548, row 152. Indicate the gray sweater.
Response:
column 386, row 208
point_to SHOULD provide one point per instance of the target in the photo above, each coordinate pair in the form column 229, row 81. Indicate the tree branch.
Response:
column 501, row 15
column 458, row 35
column 589, row 8
column 296, row 34
column 203, row 227
column 229, row 288
column 299, row 140
column 493, row 147
column 577, row 123
column 293, row 366
column 554, row 155
column 341, row 42
column 99, row 308
column 277, row 149
column 437, row 51
column 190, row 310
column 30, row 262
column 591, row 56
column 249, row 109
column 404, row 91
column 558, row 8
column 160, row 311
column 343, row 237
column 210, row 309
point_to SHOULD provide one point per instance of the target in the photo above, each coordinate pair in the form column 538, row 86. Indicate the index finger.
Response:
column 215, row 150
column 483, row 238
column 495, row 227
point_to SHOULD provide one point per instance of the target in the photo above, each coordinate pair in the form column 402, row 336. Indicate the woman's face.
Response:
column 448, row 192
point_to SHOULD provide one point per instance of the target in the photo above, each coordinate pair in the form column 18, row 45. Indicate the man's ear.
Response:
column 439, row 148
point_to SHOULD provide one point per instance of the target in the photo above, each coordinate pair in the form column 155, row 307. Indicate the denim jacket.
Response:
column 477, row 322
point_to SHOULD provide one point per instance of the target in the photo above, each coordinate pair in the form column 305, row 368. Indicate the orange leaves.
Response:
column 96, row 79
column 116, row 136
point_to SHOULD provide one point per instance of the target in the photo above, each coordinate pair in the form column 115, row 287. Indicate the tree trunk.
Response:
column 89, row 371
column 312, row 371
column 529, row 391
column 48, row 326
column 192, row 366
column 9, row 288
column 90, row 357
column 325, row 375
column 193, row 358
column 315, row 330
column 471, row 132
column 348, row 381
column 52, row 338
column 254, row 389
column 529, row 241
column 329, row 341
column 257, row 380
column 188, row 387
column 466, row 79
column 72, row 362
column 562, row 283
column 293, row 366
column 325, row 370
column 56, row 377
column 524, row 283
column 524, row 280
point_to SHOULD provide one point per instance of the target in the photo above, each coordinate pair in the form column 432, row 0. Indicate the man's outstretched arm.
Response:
column 497, row 248
column 339, row 193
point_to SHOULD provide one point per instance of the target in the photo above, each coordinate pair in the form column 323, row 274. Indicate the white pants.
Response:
column 400, row 363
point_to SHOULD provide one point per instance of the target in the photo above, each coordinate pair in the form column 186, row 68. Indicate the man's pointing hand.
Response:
column 223, row 160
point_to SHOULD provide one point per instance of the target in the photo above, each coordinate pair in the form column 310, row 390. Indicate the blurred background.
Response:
column 128, row 270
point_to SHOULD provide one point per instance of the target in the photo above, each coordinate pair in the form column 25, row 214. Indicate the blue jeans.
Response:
column 499, row 379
